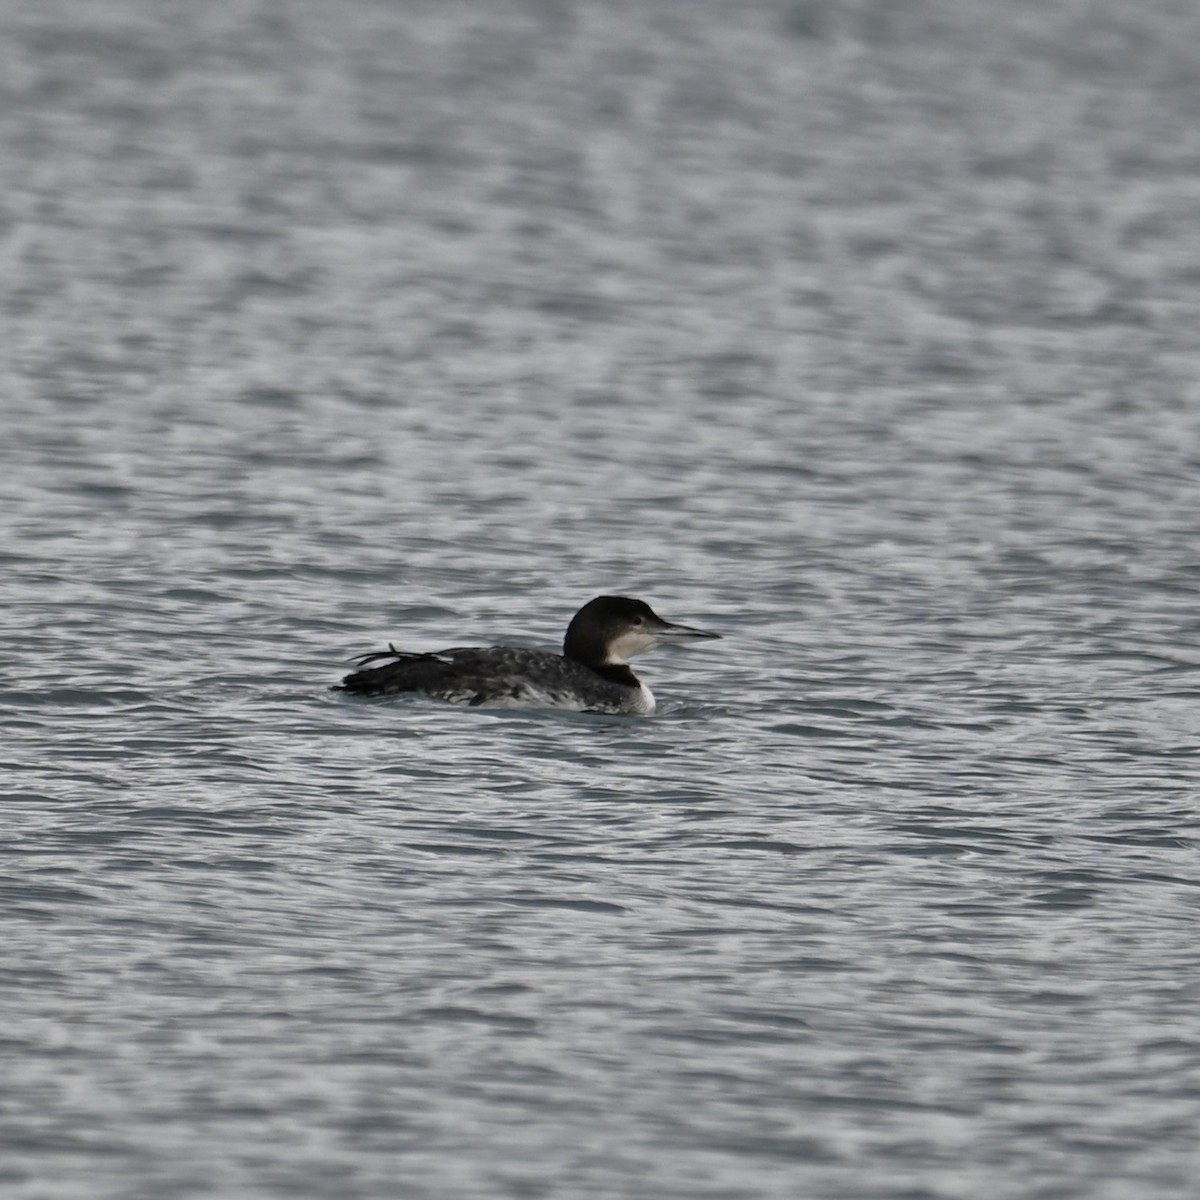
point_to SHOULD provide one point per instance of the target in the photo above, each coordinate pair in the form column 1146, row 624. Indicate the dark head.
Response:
column 610, row 630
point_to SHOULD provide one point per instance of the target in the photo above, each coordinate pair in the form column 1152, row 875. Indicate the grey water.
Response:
column 866, row 334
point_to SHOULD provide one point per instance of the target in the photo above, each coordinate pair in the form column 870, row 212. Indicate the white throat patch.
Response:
column 633, row 641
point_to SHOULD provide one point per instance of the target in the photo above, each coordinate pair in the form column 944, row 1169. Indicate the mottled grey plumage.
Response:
column 500, row 675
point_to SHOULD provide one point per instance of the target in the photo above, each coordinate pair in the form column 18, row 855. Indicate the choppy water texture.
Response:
column 864, row 333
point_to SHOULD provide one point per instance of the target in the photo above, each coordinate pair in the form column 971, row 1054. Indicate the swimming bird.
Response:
column 591, row 675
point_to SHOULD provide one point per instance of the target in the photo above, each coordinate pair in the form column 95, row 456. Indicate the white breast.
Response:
column 644, row 705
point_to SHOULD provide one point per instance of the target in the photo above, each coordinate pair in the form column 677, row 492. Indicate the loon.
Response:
column 591, row 675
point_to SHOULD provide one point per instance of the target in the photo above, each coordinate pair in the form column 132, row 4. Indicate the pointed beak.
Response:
column 668, row 632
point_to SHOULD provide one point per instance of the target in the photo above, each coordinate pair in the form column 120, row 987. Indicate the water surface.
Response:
column 861, row 333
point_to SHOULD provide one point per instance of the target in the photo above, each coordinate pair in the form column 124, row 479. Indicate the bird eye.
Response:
column 638, row 621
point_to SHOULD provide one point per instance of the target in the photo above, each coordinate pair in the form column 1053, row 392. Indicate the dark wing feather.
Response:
column 390, row 652
column 406, row 672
